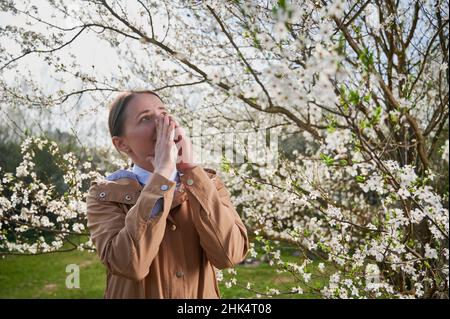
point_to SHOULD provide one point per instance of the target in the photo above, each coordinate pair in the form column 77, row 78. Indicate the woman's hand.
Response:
column 164, row 161
column 185, row 158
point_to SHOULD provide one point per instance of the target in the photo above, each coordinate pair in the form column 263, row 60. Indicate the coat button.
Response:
column 128, row 197
column 180, row 274
column 102, row 194
column 190, row 181
column 164, row 187
column 173, row 227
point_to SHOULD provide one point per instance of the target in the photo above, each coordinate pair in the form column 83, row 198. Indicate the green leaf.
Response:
column 366, row 58
column 341, row 44
column 357, row 29
column 328, row 160
column 225, row 165
column 343, row 98
column 377, row 115
column 364, row 124
column 353, row 97
column 256, row 41
column 331, row 128
column 360, row 178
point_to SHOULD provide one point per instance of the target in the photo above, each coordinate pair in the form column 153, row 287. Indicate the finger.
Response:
column 168, row 126
column 163, row 126
column 171, row 134
column 166, row 119
column 158, row 129
column 178, row 132
column 172, row 119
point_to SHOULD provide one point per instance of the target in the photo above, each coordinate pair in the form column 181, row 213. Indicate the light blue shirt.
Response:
column 144, row 176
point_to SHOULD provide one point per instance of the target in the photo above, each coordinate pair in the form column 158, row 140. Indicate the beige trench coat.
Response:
column 174, row 254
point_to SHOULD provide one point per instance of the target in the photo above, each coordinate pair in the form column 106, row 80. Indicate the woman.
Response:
column 163, row 227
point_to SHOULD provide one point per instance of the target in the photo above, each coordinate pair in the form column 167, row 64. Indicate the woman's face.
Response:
column 139, row 134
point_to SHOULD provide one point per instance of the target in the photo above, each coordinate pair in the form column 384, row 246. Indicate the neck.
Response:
column 147, row 166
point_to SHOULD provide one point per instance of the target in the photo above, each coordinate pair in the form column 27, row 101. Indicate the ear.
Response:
column 121, row 144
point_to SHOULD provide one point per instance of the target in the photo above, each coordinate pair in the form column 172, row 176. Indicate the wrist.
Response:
column 166, row 172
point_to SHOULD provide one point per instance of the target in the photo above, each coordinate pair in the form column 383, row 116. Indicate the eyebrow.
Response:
column 146, row 110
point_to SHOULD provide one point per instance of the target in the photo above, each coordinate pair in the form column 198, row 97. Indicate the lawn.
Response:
column 44, row 276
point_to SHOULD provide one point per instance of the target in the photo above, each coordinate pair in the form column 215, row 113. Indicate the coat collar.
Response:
column 123, row 186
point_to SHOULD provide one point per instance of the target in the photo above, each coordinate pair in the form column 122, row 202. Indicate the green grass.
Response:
column 44, row 276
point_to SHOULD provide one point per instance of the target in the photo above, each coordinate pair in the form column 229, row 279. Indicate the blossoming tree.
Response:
column 361, row 87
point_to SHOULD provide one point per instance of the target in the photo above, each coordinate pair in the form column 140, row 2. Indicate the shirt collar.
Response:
column 143, row 175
